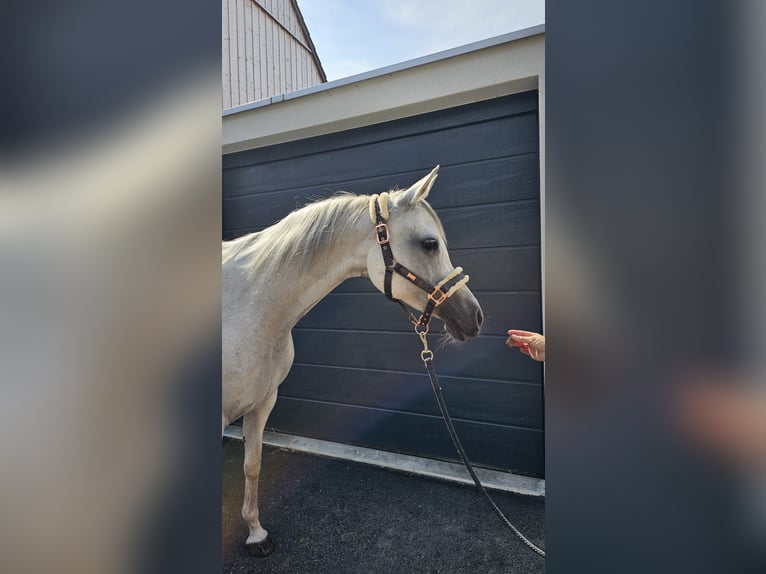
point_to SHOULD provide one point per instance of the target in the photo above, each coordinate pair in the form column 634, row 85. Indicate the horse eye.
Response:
column 430, row 244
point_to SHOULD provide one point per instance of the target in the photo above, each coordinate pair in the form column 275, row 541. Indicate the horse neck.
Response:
column 298, row 288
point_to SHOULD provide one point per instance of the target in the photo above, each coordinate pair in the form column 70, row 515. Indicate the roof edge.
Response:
column 407, row 64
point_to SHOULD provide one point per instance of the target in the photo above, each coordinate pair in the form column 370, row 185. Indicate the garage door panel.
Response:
column 358, row 377
column 500, row 269
column 498, row 225
column 484, row 357
column 503, row 311
column 256, row 212
column 372, row 311
column 438, row 120
column 493, row 181
column 512, row 402
column 475, row 142
column 500, row 446
column 516, row 223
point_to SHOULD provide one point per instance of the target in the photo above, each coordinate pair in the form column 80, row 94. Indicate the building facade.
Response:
column 267, row 50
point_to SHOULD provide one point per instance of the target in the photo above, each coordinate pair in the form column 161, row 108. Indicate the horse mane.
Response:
column 314, row 229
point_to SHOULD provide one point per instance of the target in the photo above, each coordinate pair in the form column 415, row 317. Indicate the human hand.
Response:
column 528, row 342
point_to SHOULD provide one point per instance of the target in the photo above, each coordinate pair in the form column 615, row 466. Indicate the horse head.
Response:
column 417, row 241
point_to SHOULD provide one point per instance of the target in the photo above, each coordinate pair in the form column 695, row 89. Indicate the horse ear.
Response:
column 418, row 190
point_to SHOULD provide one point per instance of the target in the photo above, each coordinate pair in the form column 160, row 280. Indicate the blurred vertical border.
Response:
column 654, row 262
column 110, row 210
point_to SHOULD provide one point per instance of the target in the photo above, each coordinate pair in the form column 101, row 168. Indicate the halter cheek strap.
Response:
column 436, row 294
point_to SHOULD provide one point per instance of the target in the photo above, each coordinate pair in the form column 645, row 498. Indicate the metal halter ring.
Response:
column 436, row 298
column 381, row 240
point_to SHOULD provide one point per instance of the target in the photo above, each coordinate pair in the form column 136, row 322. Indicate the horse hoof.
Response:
column 260, row 549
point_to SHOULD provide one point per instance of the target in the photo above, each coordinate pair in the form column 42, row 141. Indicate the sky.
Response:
column 354, row 36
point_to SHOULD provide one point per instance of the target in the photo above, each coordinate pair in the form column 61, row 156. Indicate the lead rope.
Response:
column 428, row 359
column 379, row 214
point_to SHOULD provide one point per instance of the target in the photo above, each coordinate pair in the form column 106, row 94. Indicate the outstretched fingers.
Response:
column 518, row 338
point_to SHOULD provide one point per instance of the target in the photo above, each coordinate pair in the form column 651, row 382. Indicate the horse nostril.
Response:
column 479, row 317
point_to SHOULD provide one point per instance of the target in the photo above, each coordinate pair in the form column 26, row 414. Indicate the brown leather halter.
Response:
column 436, row 294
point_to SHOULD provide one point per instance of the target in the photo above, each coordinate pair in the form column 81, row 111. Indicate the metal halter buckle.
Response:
column 436, row 298
column 378, row 228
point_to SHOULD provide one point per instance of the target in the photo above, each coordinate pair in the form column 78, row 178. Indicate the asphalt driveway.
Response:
column 328, row 515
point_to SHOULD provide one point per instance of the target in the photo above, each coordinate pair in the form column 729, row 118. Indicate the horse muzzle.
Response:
column 462, row 315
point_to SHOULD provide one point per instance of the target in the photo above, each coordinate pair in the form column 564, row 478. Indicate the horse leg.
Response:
column 258, row 542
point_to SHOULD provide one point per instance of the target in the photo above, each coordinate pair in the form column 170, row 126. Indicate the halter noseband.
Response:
column 437, row 294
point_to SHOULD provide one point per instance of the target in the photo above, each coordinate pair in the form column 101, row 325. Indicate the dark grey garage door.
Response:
column 357, row 376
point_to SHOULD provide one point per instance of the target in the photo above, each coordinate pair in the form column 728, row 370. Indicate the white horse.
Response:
column 274, row 277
